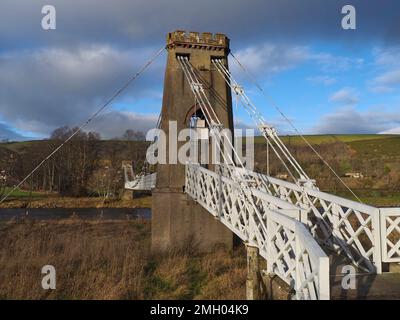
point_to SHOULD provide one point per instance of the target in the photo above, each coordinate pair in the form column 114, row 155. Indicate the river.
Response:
column 84, row 213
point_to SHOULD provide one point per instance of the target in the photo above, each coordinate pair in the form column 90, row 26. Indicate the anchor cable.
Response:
column 86, row 123
column 272, row 102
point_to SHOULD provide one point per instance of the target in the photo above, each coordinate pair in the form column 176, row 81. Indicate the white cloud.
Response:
column 271, row 58
column 387, row 80
column 114, row 123
column 333, row 63
column 387, row 60
column 43, row 89
column 391, row 131
column 348, row 120
column 388, row 56
column 324, row 80
column 345, row 96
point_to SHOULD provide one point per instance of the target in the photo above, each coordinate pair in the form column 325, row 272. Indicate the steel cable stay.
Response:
column 87, row 122
column 258, row 118
column 275, row 241
column 272, row 102
column 259, row 125
column 213, row 124
column 216, row 126
column 266, row 130
column 327, row 229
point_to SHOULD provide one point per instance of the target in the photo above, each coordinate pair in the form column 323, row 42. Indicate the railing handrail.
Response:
column 316, row 193
column 277, row 223
column 282, row 204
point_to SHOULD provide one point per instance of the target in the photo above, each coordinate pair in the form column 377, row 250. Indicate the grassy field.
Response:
column 384, row 150
column 18, row 193
column 330, row 138
column 376, row 198
column 55, row 201
column 377, row 148
column 110, row 260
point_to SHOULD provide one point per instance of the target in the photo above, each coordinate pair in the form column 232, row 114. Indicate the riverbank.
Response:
column 82, row 202
column 111, row 259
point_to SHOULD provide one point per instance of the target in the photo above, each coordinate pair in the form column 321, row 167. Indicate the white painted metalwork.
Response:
column 145, row 182
column 345, row 226
column 282, row 239
column 390, row 234
column 138, row 182
column 269, row 132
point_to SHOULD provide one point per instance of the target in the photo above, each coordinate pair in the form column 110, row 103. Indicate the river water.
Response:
column 84, row 213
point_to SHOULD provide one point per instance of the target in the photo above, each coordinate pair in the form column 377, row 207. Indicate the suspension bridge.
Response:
column 304, row 235
column 300, row 231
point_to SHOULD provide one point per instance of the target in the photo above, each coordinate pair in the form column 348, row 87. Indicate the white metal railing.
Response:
column 343, row 225
column 142, row 182
column 390, row 234
column 290, row 250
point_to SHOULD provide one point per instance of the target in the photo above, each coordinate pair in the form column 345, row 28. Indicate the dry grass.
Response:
column 55, row 201
column 110, row 260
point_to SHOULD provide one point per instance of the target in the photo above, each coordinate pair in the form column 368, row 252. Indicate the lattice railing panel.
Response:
column 270, row 223
column 345, row 226
column 390, row 233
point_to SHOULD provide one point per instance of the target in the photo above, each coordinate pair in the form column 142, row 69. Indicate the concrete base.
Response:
column 180, row 223
column 253, row 280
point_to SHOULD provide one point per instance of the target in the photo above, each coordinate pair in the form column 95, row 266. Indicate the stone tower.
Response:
column 176, row 219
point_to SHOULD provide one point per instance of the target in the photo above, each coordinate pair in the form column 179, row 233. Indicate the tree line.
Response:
column 84, row 166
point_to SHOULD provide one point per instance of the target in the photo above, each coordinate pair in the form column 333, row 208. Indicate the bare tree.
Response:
column 132, row 135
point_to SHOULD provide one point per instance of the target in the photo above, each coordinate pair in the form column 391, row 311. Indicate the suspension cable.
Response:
column 87, row 122
column 272, row 102
column 258, row 118
column 260, row 124
column 196, row 89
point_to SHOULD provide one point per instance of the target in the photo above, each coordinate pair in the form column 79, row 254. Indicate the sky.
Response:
column 325, row 79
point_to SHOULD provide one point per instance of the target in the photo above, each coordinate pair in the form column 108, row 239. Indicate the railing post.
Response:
column 297, row 280
column 270, row 233
column 220, row 193
column 376, row 232
column 323, row 275
column 253, row 280
column 335, row 226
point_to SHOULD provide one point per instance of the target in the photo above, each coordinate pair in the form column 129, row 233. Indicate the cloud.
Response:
column 345, row 96
column 324, row 80
column 123, row 22
column 348, row 120
column 6, row 133
column 391, row 131
column 386, row 81
column 387, row 60
column 114, row 123
column 335, row 63
column 387, row 56
column 47, row 88
column 271, row 58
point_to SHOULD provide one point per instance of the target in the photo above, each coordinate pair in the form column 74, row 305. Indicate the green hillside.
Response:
column 330, row 138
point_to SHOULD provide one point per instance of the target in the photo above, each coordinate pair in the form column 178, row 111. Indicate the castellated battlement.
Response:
column 205, row 40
